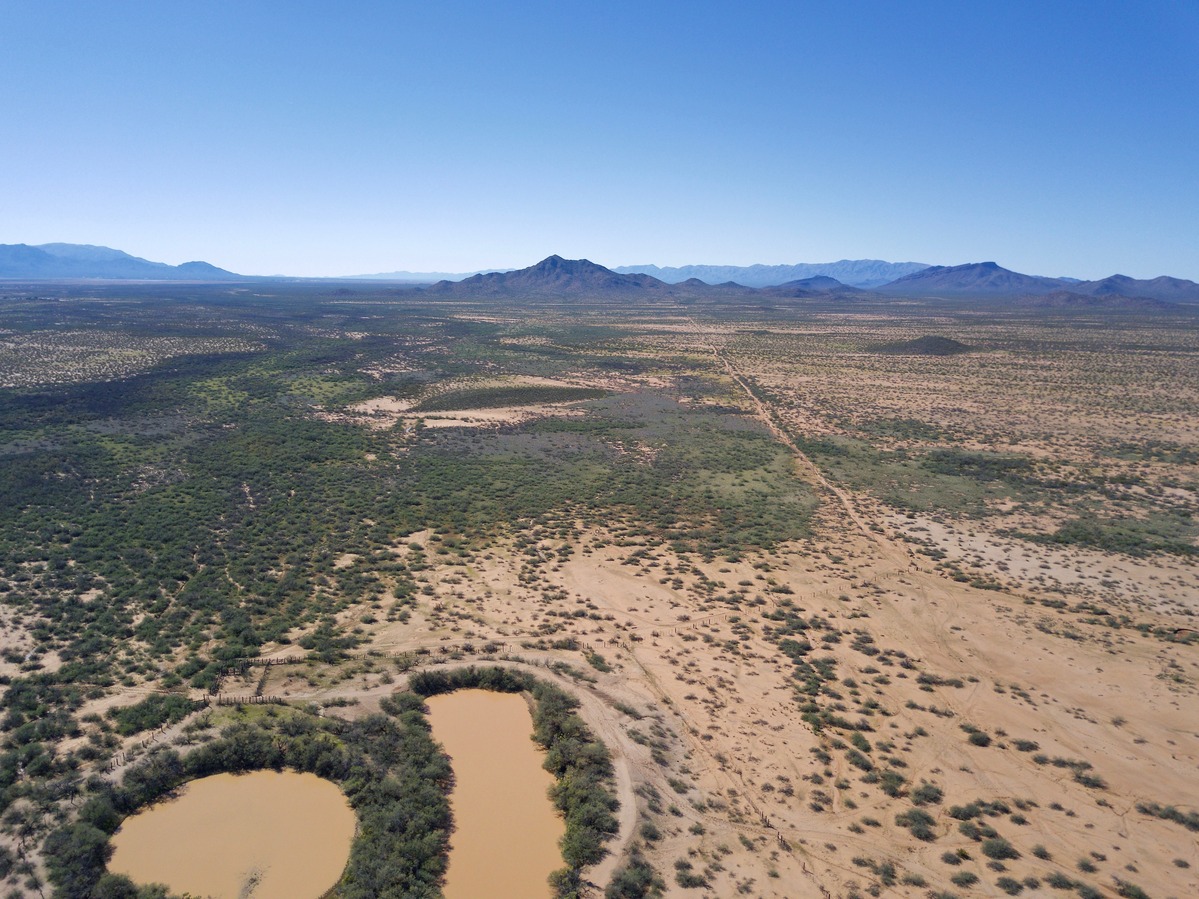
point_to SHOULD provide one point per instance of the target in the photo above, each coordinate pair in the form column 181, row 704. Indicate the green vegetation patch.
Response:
column 153, row 711
column 1134, row 537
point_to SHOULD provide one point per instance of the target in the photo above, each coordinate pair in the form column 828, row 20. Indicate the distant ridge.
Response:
column 973, row 279
column 67, row 261
column 554, row 277
column 862, row 273
column 1171, row 290
column 987, row 279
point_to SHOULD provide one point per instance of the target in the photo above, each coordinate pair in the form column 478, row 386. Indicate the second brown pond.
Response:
column 506, row 831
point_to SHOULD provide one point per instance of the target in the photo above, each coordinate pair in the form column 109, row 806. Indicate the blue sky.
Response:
column 307, row 138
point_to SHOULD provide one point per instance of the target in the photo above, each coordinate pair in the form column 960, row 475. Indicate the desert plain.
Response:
column 860, row 600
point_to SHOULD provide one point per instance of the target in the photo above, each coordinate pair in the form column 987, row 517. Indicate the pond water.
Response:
column 262, row 835
column 506, row 831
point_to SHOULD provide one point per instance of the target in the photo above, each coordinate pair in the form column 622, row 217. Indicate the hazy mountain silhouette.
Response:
column 863, row 273
column 1172, row 290
column 66, row 260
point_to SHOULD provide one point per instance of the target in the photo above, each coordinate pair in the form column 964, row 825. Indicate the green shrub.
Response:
column 998, row 848
column 927, row 794
column 637, row 879
column 919, row 823
column 1130, row 890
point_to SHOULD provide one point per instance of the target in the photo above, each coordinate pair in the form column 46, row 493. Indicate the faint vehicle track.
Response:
column 770, row 418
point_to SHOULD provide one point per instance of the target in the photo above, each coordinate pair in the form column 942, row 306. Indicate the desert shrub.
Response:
column 637, row 879
column 1130, row 890
column 926, row 794
column 999, row 848
column 919, row 823
column 1189, row 820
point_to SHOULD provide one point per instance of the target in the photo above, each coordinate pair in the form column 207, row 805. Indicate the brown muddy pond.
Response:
column 506, row 831
column 262, row 835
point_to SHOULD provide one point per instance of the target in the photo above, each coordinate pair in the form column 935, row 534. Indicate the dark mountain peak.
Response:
column 553, row 276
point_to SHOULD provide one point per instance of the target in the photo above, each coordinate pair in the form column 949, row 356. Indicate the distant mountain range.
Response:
column 558, row 278
column 756, row 284
column 986, row 279
column 51, row 261
column 864, row 273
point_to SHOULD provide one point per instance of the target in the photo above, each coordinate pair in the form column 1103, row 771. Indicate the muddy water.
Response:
column 265, row 835
column 505, row 841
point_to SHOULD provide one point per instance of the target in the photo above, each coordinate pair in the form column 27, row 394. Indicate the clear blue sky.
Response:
column 1054, row 137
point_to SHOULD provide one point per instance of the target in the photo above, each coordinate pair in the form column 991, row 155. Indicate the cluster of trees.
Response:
column 153, row 711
